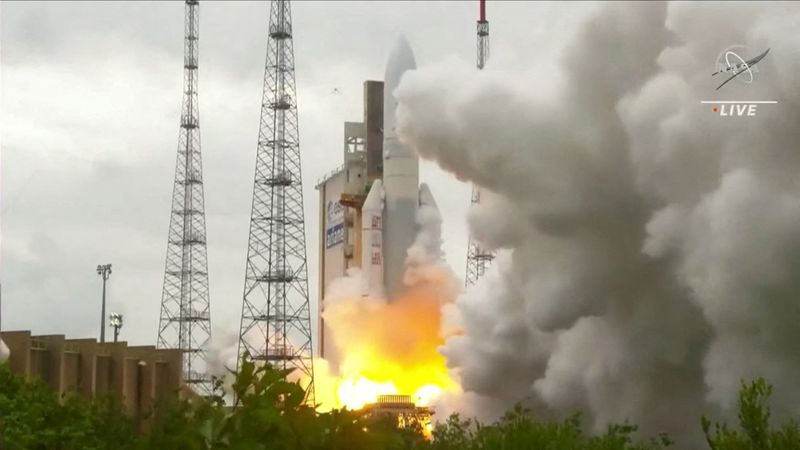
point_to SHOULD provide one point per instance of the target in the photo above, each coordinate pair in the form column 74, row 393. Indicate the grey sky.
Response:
column 89, row 112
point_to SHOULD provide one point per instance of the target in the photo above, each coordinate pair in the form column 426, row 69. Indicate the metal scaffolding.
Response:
column 478, row 257
column 185, row 321
column 276, row 319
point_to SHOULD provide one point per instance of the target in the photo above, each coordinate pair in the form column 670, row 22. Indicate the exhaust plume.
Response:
column 652, row 247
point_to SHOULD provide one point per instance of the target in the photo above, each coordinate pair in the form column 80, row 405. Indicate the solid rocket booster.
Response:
column 372, row 242
column 400, row 176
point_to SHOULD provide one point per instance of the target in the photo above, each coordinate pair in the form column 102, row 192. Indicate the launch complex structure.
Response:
column 275, row 323
column 368, row 209
column 185, row 319
column 342, row 193
column 478, row 256
column 368, row 205
column 368, row 214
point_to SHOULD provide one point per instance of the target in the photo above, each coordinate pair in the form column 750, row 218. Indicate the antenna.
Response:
column 276, row 314
column 479, row 258
column 185, row 321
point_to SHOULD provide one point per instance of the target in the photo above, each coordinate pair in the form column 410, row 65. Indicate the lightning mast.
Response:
column 185, row 321
column 483, row 36
column 276, row 314
column 479, row 258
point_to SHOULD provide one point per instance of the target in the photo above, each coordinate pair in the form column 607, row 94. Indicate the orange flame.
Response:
column 388, row 347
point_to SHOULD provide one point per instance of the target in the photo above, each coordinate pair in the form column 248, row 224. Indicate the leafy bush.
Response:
column 518, row 430
column 32, row 418
column 755, row 432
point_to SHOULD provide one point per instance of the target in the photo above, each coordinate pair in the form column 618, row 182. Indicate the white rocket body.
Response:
column 389, row 214
column 400, row 176
column 372, row 242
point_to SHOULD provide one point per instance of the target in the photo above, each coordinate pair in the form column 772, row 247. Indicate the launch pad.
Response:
column 403, row 408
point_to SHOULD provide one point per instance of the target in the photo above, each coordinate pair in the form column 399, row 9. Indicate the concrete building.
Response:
column 135, row 375
column 341, row 196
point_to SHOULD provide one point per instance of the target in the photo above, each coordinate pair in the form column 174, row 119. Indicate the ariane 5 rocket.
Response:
column 389, row 213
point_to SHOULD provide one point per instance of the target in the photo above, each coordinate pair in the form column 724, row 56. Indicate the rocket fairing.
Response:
column 426, row 197
column 384, row 266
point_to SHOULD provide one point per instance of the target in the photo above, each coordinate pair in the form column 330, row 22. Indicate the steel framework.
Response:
column 479, row 258
column 185, row 321
column 276, row 319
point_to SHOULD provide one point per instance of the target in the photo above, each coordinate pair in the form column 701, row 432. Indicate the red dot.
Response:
column 714, row 109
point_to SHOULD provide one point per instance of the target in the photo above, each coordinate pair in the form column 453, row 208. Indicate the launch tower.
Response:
column 342, row 194
column 185, row 321
column 276, row 319
column 478, row 257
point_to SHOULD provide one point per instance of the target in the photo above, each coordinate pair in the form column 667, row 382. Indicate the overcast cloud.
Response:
column 89, row 113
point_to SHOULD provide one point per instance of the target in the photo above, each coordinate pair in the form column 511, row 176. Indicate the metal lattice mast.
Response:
column 185, row 321
column 479, row 258
column 276, row 314
column 483, row 36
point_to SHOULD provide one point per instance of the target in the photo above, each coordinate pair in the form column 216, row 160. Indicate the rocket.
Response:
column 389, row 213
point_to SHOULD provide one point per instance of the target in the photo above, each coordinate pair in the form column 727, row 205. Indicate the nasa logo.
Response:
column 729, row 61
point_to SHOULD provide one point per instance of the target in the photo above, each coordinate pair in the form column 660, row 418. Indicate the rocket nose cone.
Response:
column 374, row 200
column 426, row 197
column 400, row 59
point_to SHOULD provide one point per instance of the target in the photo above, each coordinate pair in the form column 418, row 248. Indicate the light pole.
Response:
column 104, row 271
column 116, row 324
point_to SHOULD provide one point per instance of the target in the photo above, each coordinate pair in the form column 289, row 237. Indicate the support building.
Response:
column 137, row 376
column 341, row 197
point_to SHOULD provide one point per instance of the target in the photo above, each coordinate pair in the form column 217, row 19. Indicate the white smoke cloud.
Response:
column 653, row 246
column 425, row 257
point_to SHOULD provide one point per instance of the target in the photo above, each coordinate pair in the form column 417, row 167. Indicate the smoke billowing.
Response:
column 652, row 247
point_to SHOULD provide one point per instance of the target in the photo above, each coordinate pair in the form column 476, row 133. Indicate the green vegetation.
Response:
column 31, row 418
column 755, row 432
column 269, row 414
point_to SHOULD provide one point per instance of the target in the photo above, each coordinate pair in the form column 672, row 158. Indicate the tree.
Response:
column 32, row 417
column 755, row 432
